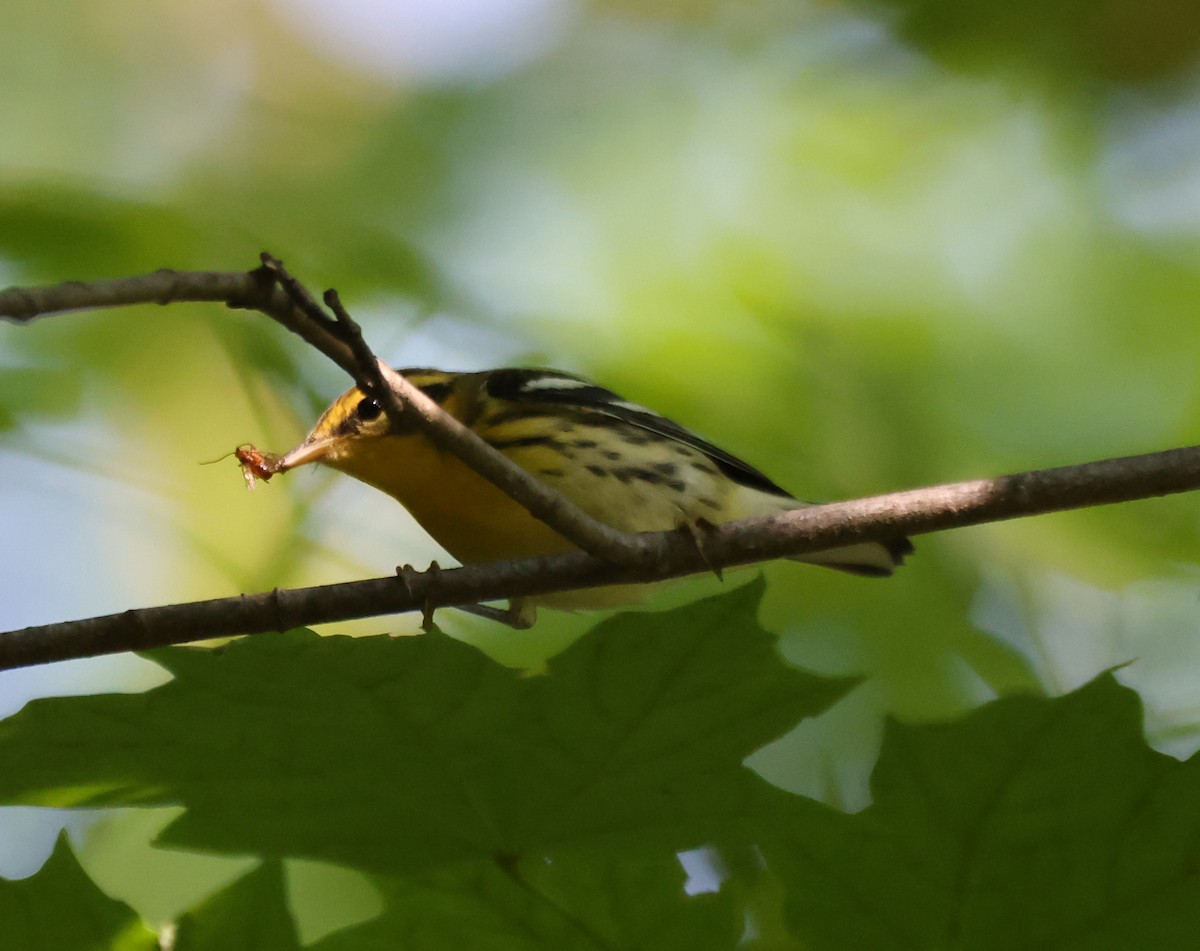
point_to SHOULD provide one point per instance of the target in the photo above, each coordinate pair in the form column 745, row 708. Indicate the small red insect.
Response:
column 255, row 464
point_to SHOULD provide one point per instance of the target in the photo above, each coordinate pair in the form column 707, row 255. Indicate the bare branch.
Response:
column 674, row 554
column 399, row 397
column 543, row 502
column 249, row 290
column 273, row 291
column 624, row 558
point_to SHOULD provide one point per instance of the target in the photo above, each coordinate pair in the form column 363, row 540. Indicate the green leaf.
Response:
column 632, row 900
column 1032, row 823
column 60, row 909
column 250, row 914
column 40, row 391
column 1118, row 41
column 106, row 236
column 401, row 754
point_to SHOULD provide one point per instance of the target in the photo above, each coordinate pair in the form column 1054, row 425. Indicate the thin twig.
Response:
column 543, row 502
column 399, row 398
column 248, row 290
column 674, row 554
column 650, row 557
column 272, row 290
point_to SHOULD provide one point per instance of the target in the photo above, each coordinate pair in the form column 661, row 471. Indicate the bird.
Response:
column 620, row 462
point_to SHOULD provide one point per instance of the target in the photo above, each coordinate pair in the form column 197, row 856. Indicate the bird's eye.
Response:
column 368, row 409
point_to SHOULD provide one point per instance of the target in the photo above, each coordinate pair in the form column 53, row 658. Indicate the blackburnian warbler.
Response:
column 622, row 463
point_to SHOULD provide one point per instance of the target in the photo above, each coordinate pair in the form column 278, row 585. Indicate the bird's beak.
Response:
column 311, row 450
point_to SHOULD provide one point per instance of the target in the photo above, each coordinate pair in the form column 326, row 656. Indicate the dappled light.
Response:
column 865, row 247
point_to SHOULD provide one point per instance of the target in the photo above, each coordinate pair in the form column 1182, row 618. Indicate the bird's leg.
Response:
column 427, row 608
column 698, row 530
column 519, row 615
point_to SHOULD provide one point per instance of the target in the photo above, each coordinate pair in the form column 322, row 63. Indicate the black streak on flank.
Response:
column 516, row 414
column 438, row 391
column 532, row 387
column 643, row 475
column 524, row 442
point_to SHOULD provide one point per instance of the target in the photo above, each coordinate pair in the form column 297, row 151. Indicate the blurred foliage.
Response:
column 865, row 246
column 60, row 908
column 492, row 810
column 251, row 914
column 1111, row 40
column 994, row 833
column 419, row 752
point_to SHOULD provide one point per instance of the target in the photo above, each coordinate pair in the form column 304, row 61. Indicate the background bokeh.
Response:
column 866, row 246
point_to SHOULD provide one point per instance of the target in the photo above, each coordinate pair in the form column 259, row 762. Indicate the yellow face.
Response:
column 468, row 516
column 352, row 418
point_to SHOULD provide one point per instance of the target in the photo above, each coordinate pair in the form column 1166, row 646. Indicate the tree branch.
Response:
column 273, row 291
column 622, row 558
column 673, row 554
column 250, row 290
column 399, row 398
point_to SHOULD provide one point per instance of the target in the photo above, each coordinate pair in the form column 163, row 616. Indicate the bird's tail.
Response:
column 869, row 559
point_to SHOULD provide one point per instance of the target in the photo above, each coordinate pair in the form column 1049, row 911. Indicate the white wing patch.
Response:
column 563, row 383
column 554, row 383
